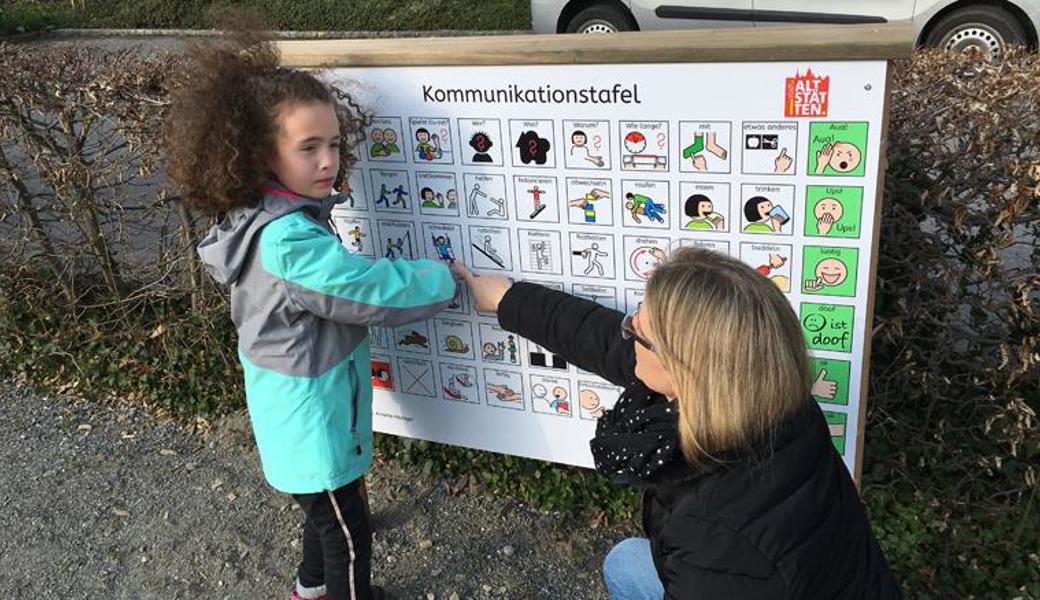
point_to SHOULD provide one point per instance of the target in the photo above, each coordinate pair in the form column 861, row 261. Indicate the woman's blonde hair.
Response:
column 733, row 347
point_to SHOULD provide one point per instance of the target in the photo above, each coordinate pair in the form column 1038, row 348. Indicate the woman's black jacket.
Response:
column 789, row 524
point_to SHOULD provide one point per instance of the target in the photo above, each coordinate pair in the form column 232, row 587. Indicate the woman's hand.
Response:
column 487, row 289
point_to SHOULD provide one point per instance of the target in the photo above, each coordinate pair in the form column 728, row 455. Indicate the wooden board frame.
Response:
column 875, row 244
column 774, row 44
column 816, row 43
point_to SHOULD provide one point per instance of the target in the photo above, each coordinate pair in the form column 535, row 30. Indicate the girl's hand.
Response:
column 487, row 289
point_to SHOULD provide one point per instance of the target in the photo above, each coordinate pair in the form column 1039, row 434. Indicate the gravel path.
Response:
column 105, row 502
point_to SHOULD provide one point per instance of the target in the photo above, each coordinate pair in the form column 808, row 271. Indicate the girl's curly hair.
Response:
column 221, row 128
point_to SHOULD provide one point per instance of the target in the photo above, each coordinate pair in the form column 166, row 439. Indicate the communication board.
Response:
column 583, row 177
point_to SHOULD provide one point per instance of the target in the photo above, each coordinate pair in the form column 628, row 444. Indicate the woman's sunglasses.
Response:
column 628, row 329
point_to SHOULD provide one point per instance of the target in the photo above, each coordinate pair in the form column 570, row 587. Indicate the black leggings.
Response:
column 337, row 543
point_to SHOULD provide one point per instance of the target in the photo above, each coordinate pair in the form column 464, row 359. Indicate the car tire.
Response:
column 601, row 18
column 989, row 28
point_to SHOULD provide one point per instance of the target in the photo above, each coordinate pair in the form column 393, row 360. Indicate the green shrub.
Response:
column 953, row 445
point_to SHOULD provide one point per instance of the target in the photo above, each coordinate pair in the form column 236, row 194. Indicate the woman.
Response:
column 744, row 493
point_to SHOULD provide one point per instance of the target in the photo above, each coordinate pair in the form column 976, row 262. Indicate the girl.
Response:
column 264, row 146
column 744, row 494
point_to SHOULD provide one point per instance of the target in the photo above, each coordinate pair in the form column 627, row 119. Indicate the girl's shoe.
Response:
column 302, row 593
column 378, row 593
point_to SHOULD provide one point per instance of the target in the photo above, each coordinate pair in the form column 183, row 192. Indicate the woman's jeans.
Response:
column 628, row 571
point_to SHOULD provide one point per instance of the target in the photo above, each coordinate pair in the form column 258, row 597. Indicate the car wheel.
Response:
column 601, row 18
column 989, row 29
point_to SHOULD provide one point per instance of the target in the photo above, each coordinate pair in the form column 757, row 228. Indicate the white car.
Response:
column 953, row 24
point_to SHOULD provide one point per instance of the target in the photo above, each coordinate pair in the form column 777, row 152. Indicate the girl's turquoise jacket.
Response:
column 302, row 305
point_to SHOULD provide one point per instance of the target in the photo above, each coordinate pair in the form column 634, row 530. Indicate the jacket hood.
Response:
column 224, row 250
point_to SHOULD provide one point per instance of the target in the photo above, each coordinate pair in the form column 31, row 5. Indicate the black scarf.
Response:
column 638, row 438
column 637, row 442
